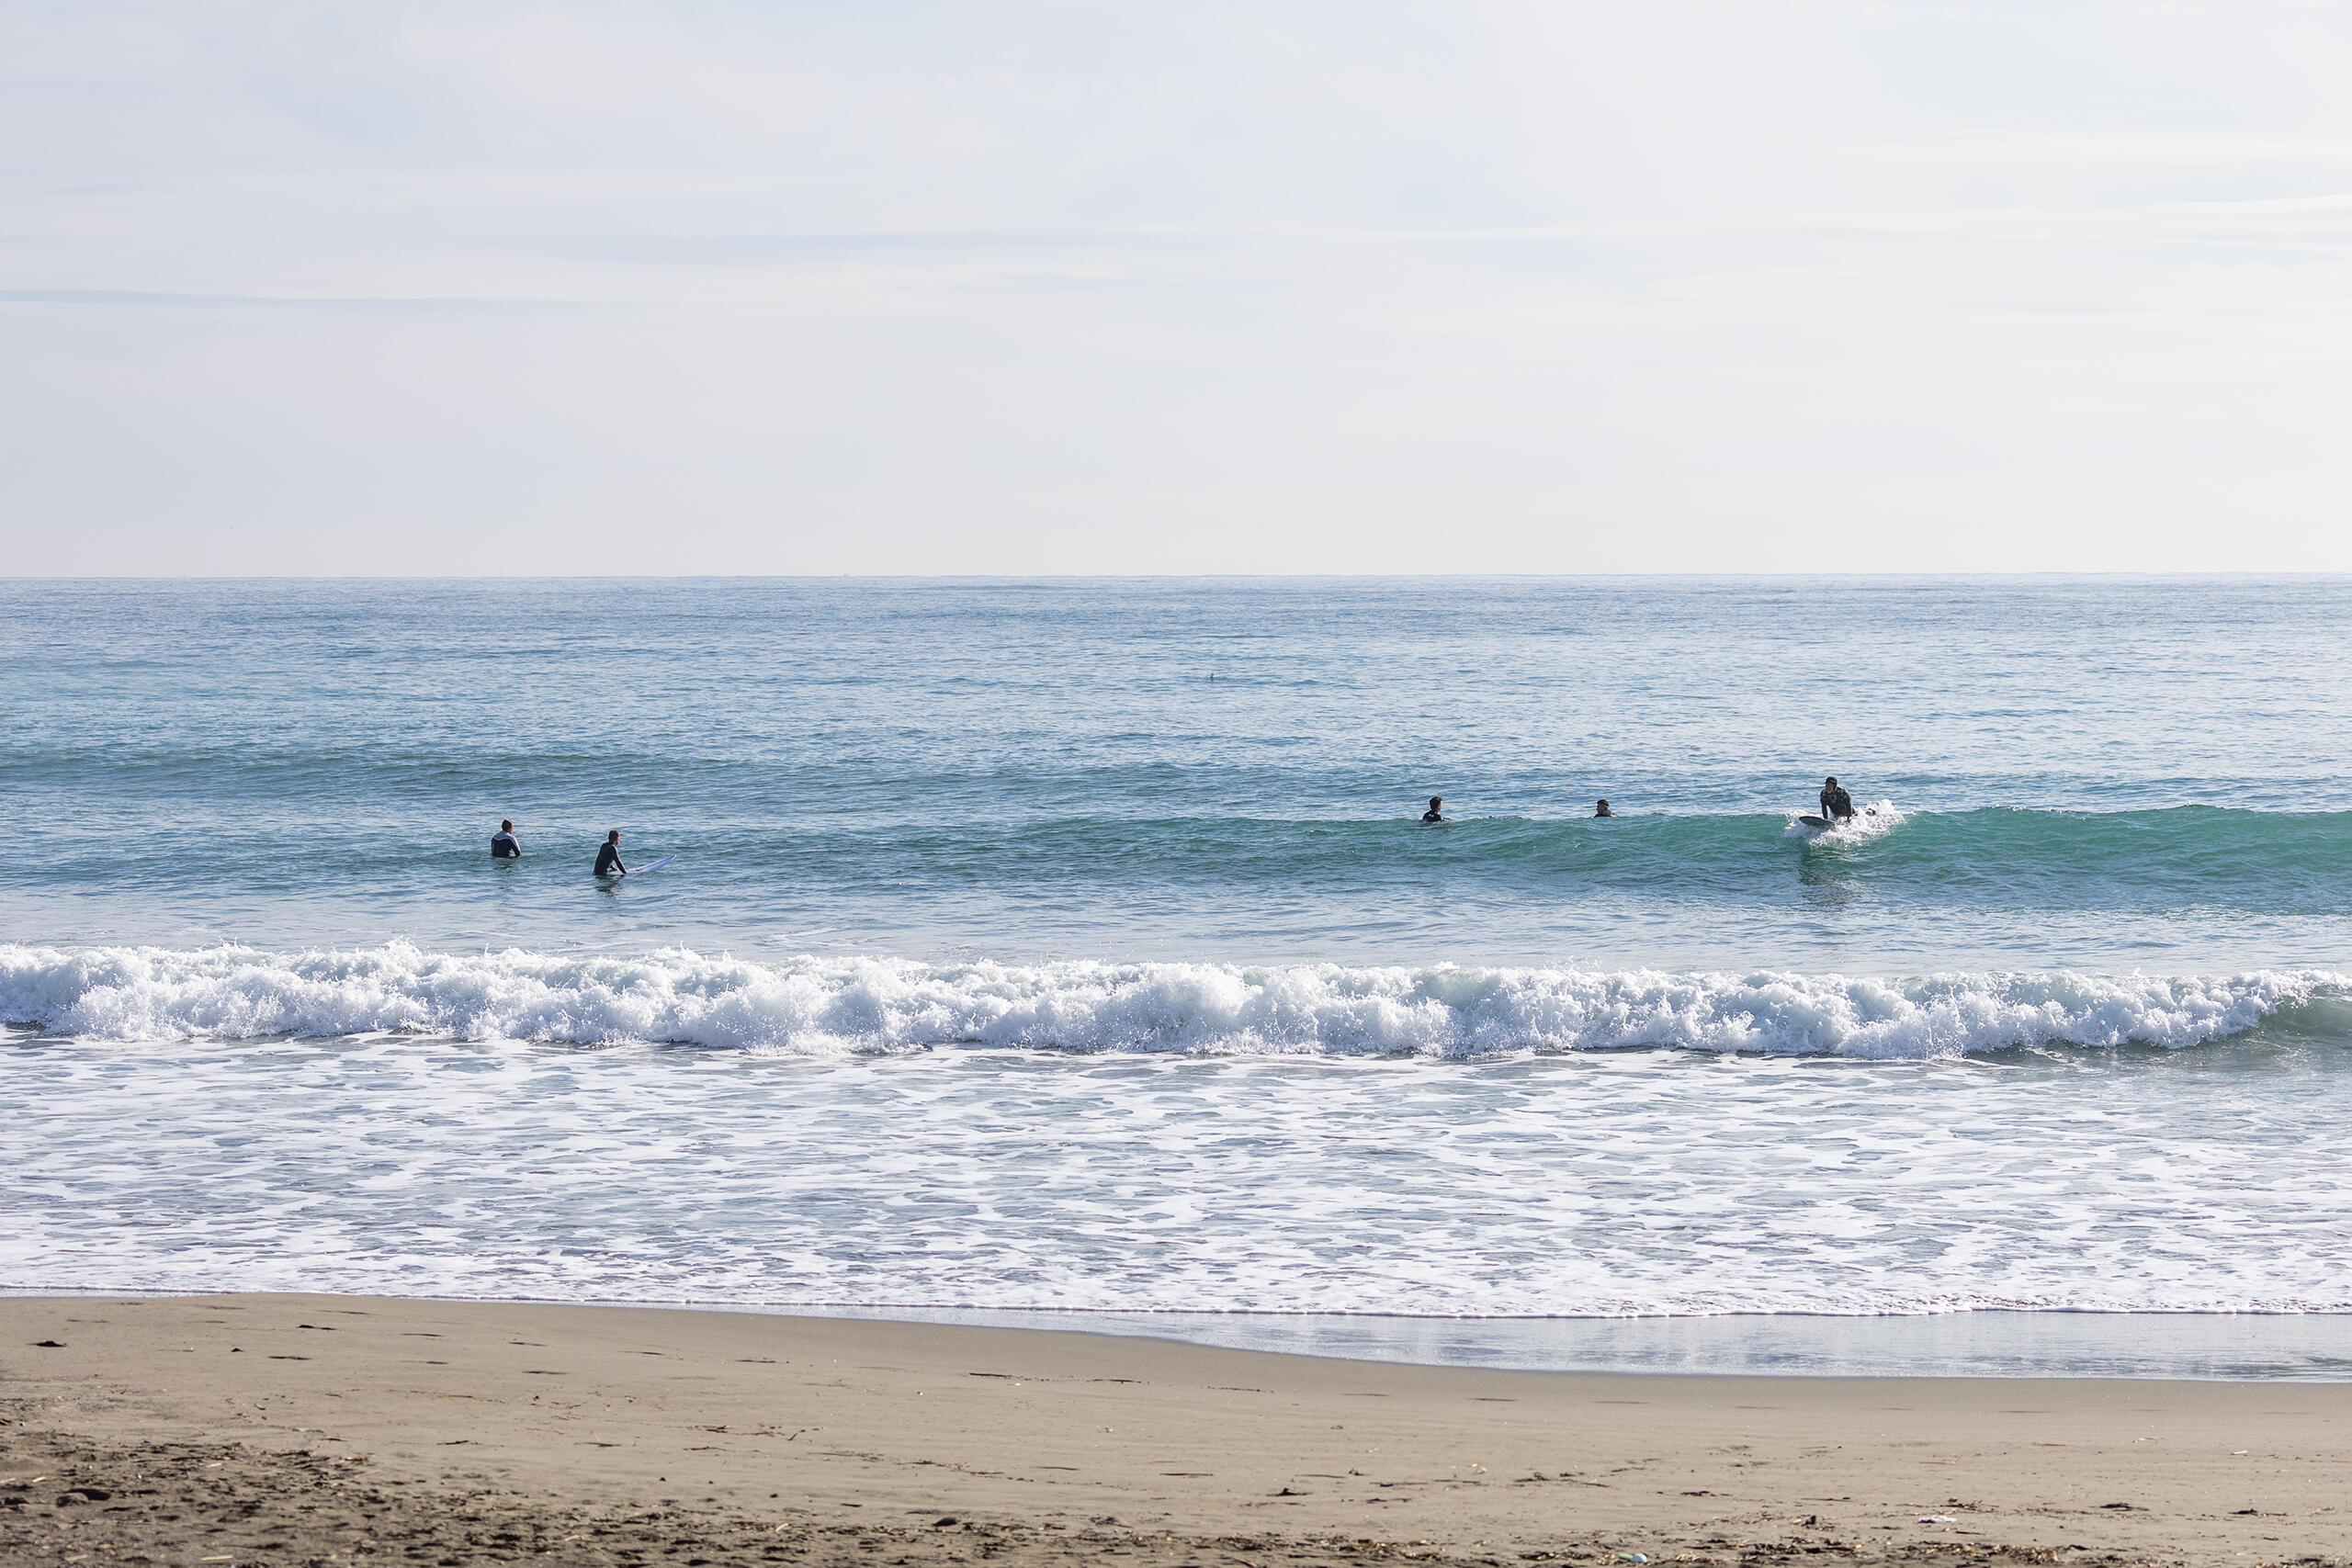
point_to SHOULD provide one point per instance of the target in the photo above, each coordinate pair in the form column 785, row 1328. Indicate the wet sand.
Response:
column 274, row 1428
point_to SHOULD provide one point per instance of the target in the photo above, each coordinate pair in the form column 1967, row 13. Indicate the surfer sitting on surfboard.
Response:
column 608, row 856
column 1436, row 813
column 1837, row 805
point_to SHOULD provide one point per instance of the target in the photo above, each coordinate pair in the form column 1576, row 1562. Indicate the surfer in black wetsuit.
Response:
column 1601, row 808
column 1436, row 813
column 608, row 856
column 502, row 844
column 1836, row 804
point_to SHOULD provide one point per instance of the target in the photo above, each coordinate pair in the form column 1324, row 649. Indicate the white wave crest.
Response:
column 822, row 1006
column 1870, row 822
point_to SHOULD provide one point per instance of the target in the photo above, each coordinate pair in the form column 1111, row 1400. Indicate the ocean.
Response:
column 1074, row 946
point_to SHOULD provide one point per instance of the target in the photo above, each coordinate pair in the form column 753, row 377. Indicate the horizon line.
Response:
column 2105, row 574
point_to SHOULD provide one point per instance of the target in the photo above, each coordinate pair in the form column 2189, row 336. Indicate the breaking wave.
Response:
column 833, row 1006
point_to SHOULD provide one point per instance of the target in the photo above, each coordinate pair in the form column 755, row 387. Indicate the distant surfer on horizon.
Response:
column 1837, row 805
column 1601, row 808
column 1436, row 813
column 608, row 855
column 503, row 844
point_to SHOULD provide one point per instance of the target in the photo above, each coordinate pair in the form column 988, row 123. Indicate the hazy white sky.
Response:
column 1351, row 287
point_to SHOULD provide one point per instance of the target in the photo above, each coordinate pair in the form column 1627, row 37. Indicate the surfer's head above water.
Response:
column 1436, row 813
column 1601, row 808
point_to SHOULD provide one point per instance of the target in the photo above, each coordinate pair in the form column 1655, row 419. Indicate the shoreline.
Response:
column 799, row 1423
column 2055, row 1342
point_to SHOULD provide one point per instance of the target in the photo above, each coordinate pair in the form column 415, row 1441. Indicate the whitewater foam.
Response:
column 811, row 1005
column 1873, row 821
column 1580, row 1183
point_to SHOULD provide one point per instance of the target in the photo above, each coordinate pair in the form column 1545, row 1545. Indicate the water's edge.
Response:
column 2189, row 1347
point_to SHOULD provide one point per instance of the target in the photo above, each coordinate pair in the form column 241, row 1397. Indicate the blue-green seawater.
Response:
column 1075, row 944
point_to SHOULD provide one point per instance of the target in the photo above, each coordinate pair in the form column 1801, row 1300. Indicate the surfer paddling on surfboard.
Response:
column 608, row 856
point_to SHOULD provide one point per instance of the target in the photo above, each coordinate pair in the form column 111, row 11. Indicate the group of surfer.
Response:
column 1837, row 805
column 1436, row 813
column 504, row 845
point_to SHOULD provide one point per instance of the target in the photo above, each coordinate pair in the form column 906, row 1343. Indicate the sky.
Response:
column 1563, row 286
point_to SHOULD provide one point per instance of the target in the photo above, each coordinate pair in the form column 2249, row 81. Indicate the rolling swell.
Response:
column 2182, row 857
column 2185, row 854
column 833, row 1006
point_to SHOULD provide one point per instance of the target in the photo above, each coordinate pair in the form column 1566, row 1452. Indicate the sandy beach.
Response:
column 259, row 1428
